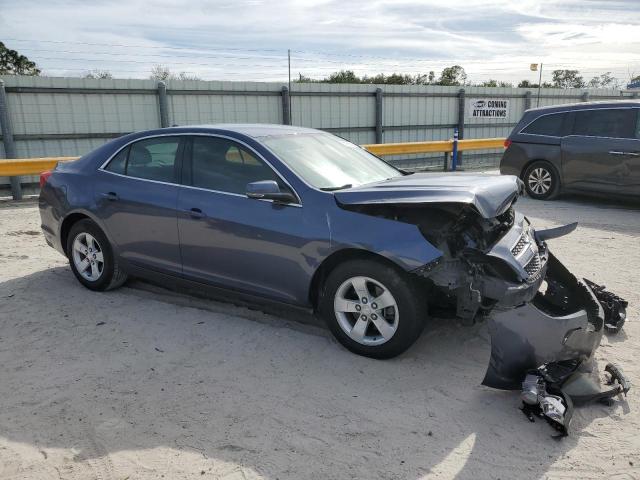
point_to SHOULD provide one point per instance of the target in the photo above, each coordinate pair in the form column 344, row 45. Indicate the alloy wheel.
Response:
column 539, row 181
column 366, row 311
column 88, row 256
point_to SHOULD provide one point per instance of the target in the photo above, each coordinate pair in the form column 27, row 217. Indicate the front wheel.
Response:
column 372, row 309
column 541, row 180
column 91, row 257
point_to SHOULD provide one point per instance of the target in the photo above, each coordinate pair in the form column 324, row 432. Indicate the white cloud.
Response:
column 248, row 39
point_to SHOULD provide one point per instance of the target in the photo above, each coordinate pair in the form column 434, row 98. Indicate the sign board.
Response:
column 488, row 108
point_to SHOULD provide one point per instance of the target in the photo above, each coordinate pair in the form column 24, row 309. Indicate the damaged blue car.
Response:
column 302, row 217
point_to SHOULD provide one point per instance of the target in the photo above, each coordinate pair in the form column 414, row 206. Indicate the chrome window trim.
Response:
column 101, row 168
column 521, row 132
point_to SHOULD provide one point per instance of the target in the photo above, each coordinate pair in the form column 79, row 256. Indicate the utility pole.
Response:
column 539, row 86
column 290, row 92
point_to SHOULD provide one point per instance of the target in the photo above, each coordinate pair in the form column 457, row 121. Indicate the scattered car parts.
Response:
column 552, row 390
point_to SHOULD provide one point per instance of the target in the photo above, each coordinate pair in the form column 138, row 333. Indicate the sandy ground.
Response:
column 143, row 383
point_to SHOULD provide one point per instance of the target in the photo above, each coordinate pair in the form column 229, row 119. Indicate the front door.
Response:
column 230, row 240
column 136, row 195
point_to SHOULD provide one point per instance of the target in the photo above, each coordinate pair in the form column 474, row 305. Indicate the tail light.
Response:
column 507, row 143
column 44, row 176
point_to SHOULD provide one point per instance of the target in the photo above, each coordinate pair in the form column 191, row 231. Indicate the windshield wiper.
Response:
column 332, row 189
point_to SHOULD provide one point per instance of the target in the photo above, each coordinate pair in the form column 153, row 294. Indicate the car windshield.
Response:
column 328, row 162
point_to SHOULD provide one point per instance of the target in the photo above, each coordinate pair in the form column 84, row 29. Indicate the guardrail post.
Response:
column 162, row 103
column 286, row 102
column 7, row 138
column 527, row 100
column 585, row 97
column 455, row 155
column 460, row 129
column 379, row 115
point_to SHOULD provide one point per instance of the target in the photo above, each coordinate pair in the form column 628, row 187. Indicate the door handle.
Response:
column 626, row 154
column 195, row 213
column 112, row 196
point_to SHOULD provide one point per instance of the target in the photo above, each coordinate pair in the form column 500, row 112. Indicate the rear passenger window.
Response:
column 152, row 159
column 614, row 123
column 118, row 164
column 550, row 125
column 223, row 165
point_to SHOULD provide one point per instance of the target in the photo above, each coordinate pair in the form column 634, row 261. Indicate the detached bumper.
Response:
column 565, row 322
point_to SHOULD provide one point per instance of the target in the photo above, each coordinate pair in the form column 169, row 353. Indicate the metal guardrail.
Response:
column 13, row 167
column 441, row 146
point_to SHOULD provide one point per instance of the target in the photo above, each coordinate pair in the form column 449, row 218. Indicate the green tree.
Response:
column 343, row 76
column 527, row 84
column 606, row 80
column 162, row 73
column 452, row 76
column 12, row 63
column 567, row 79
column 97, row 73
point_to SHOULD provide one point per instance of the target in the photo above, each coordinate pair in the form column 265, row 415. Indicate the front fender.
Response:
column 402, row 243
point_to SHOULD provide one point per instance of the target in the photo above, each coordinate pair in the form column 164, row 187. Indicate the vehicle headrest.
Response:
column 139, row 156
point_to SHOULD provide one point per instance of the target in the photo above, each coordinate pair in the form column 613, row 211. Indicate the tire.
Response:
column 93, row 246
column 541, row 180
column 401, row 323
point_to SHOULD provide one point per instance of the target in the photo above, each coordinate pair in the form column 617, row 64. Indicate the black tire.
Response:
column 411, row 306
column 541, row 170
column 112, row 276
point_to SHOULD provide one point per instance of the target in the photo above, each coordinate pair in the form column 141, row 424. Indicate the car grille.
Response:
column 523, row 241
column 533, row 267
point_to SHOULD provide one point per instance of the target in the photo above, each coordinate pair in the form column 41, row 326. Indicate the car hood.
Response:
column 491, row 195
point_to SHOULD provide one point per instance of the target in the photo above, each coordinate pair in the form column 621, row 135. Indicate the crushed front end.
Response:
column 545, row 324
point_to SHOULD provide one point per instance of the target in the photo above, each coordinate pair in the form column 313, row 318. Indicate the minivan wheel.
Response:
column 372, row 309
column 91, row 257
column 541, row 180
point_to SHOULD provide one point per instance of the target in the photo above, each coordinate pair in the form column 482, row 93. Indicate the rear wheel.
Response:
column 372, row 309
column 541, row 180
column 91, row 257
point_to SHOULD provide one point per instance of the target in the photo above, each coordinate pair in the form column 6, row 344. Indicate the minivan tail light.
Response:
column 507, row 143
column 44, row 176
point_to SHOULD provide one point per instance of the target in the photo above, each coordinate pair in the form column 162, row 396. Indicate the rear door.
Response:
column 136, row 197
column 596, row 155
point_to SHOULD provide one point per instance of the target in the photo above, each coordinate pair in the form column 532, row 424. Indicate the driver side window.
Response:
column 225, row 166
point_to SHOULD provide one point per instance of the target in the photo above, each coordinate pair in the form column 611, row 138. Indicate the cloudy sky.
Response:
column 249, row 39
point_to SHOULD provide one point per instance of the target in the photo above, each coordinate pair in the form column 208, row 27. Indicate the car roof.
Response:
column 585, row 106
column 254, row 130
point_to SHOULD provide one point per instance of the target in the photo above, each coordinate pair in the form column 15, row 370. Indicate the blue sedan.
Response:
column 302, row 217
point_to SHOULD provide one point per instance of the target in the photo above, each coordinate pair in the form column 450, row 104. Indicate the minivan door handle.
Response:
column 111, row 196
column 195, row 213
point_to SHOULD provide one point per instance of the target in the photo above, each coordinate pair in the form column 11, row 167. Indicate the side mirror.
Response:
column 269, row 190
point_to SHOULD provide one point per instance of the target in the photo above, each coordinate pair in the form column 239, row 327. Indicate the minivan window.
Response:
column 549, row 125
column 613, row 123
column 225, row 166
